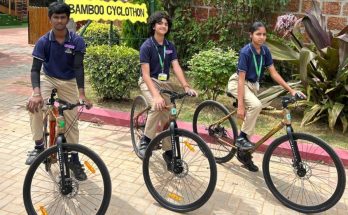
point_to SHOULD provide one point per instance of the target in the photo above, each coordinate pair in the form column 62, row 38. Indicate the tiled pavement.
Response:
column 237, row 192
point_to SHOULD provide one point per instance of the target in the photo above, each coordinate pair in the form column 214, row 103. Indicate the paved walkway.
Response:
column 237, row 192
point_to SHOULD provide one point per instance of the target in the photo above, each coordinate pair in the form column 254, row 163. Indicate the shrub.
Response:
column 211, row 69
column 98, row 34
column 323, row 66
column 113, row 71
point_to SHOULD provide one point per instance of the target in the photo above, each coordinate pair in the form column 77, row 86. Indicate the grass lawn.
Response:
column 266, row 121
column 22, row 25
column 7, row 21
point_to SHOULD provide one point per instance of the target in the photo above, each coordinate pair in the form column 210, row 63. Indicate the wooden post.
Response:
column 9, row 7
column 15, row 9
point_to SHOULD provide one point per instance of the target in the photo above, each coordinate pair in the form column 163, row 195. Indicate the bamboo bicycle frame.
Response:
column 51, row 115
column 286, row 121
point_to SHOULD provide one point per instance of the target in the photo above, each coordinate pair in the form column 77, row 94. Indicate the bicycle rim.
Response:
column 138, row 121
column 42, row 185
column 220, row 137
column 316, row 186
column 189, row 188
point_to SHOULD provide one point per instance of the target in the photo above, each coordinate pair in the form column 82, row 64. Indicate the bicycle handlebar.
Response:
column 174, row 95
column 286, row 100
column 64, row 105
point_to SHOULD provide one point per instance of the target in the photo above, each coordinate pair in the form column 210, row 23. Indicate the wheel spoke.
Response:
column 315, row 182
column 86, row 197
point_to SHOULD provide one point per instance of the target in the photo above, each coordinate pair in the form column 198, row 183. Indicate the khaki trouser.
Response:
column 67, row 91
column 155, row 117
column 252, row 104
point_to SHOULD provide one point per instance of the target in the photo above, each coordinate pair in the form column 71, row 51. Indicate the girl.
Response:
column 244, row 85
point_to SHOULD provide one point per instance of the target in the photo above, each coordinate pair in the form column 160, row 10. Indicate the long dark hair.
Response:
column 156, row 18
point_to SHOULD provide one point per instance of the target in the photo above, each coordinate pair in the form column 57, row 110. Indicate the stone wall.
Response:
column 335, row 11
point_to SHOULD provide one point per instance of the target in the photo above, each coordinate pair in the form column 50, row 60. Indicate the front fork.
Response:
column 294, row 148
column 63, row 160
column 175, row 142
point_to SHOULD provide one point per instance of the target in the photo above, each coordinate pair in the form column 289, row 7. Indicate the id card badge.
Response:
column 162, row 77
column 257, row 85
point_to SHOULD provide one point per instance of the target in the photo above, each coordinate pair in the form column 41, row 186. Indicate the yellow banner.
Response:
column 107, row 11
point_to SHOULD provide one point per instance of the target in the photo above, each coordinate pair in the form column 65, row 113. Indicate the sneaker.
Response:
column 78, row 170
column 244, row 144
column 144, row 143
column 246, row 159
column 33, row 154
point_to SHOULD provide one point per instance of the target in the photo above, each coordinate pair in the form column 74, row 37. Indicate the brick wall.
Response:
column 335, row 11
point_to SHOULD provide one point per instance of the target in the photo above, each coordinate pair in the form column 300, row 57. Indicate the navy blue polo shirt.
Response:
column 149, row 54
column 246, row 62
column 58, row 59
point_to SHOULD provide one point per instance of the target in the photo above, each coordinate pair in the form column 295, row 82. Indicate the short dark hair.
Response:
column 255, row 26
column 156, row 18
column 58, row 8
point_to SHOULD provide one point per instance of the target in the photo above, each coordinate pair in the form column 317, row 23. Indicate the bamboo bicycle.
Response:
column 50, row 187
column 302, row 171
column 186, row 181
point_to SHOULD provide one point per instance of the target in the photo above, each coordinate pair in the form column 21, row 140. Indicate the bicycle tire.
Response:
column 324, row 156
column 213, row 111
column 207, row 159
column 137, row 127
column 99, row 165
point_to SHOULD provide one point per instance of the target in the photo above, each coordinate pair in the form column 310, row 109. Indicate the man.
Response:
column 61, row 53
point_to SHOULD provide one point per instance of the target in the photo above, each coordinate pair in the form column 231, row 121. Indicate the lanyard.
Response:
column 159, row 56
column 258, row 68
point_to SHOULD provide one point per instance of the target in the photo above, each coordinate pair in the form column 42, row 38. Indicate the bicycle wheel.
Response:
column 42, row 193
column 220, row 138
column 315, row 187
column 138, row 121
column 191, row 186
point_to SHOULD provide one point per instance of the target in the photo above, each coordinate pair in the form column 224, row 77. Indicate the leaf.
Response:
column 343, row 50
column 282, row 52
column 317, row 34
column 344, row 122
column 267, row 96
column 329, row 90
column 317, row 13
column 329, row 62
column 344, row 31
column 320, row 116
column 310, row 114
column 306, row 56
column 334, row 112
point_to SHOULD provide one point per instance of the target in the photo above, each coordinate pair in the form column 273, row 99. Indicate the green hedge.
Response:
column 211, row 69
column 112, row 71
column 98, row 34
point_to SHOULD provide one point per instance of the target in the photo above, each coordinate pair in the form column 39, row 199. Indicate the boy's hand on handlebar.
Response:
column 87, row 102
column 191, row 92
